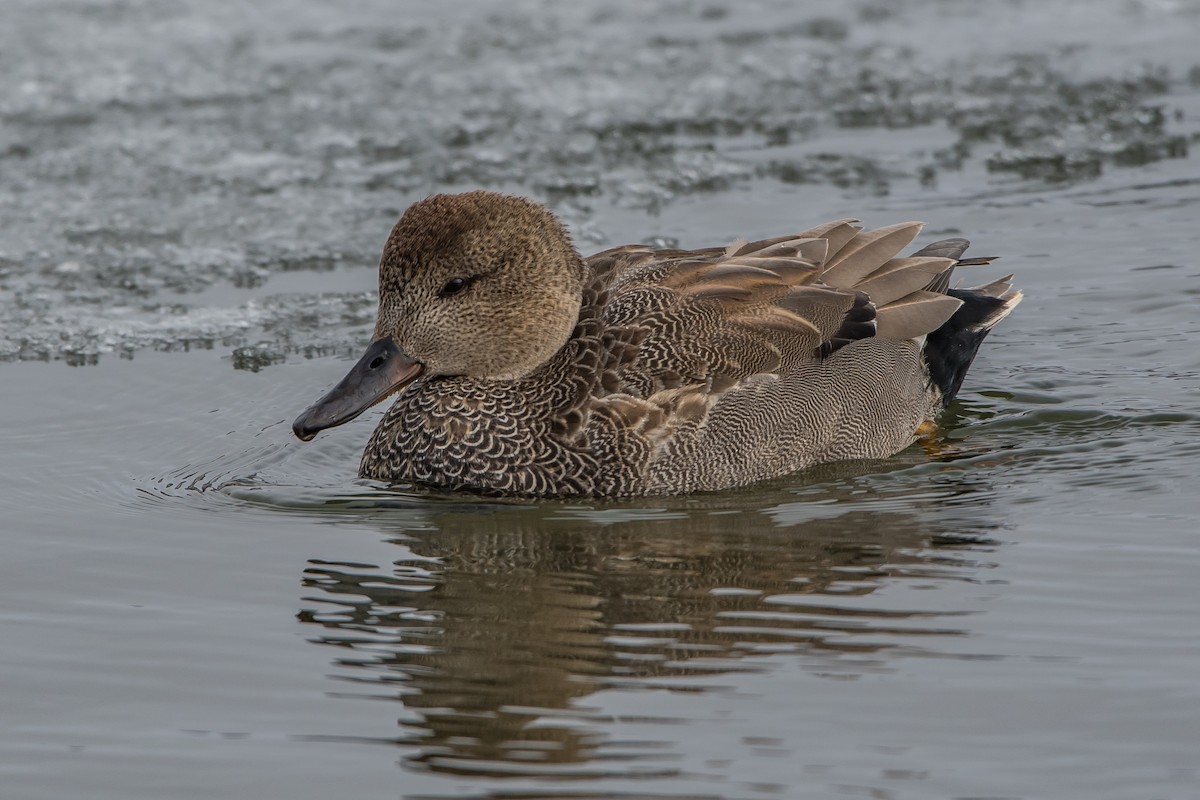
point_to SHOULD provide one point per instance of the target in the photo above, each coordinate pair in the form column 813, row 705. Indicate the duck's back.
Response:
column 707, row 369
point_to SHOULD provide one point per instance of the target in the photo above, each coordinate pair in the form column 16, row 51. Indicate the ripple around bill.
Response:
column 271, row 472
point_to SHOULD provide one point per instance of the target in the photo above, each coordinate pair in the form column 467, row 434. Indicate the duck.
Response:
column 522, row 369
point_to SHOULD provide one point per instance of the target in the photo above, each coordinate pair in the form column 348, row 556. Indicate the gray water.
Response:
column 193, row 196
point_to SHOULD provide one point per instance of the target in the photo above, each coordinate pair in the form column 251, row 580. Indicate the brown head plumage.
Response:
column 479, row 284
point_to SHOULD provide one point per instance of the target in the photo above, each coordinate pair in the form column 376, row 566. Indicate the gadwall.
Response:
column 523, row 369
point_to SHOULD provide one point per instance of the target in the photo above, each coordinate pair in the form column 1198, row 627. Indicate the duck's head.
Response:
column 480, row 284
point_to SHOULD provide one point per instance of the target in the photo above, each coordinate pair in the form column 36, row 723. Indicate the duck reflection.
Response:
column 497, row 622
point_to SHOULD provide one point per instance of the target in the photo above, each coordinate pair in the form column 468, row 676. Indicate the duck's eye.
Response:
column 453, row 286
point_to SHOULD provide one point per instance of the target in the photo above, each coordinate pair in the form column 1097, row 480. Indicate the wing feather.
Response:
column 902, row 276
column 915, row 315
column 863, row 254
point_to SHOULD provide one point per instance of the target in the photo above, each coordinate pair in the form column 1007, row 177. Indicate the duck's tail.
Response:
column 950, row 349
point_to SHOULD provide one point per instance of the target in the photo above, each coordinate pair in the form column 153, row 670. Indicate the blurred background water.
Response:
column 193, row 197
